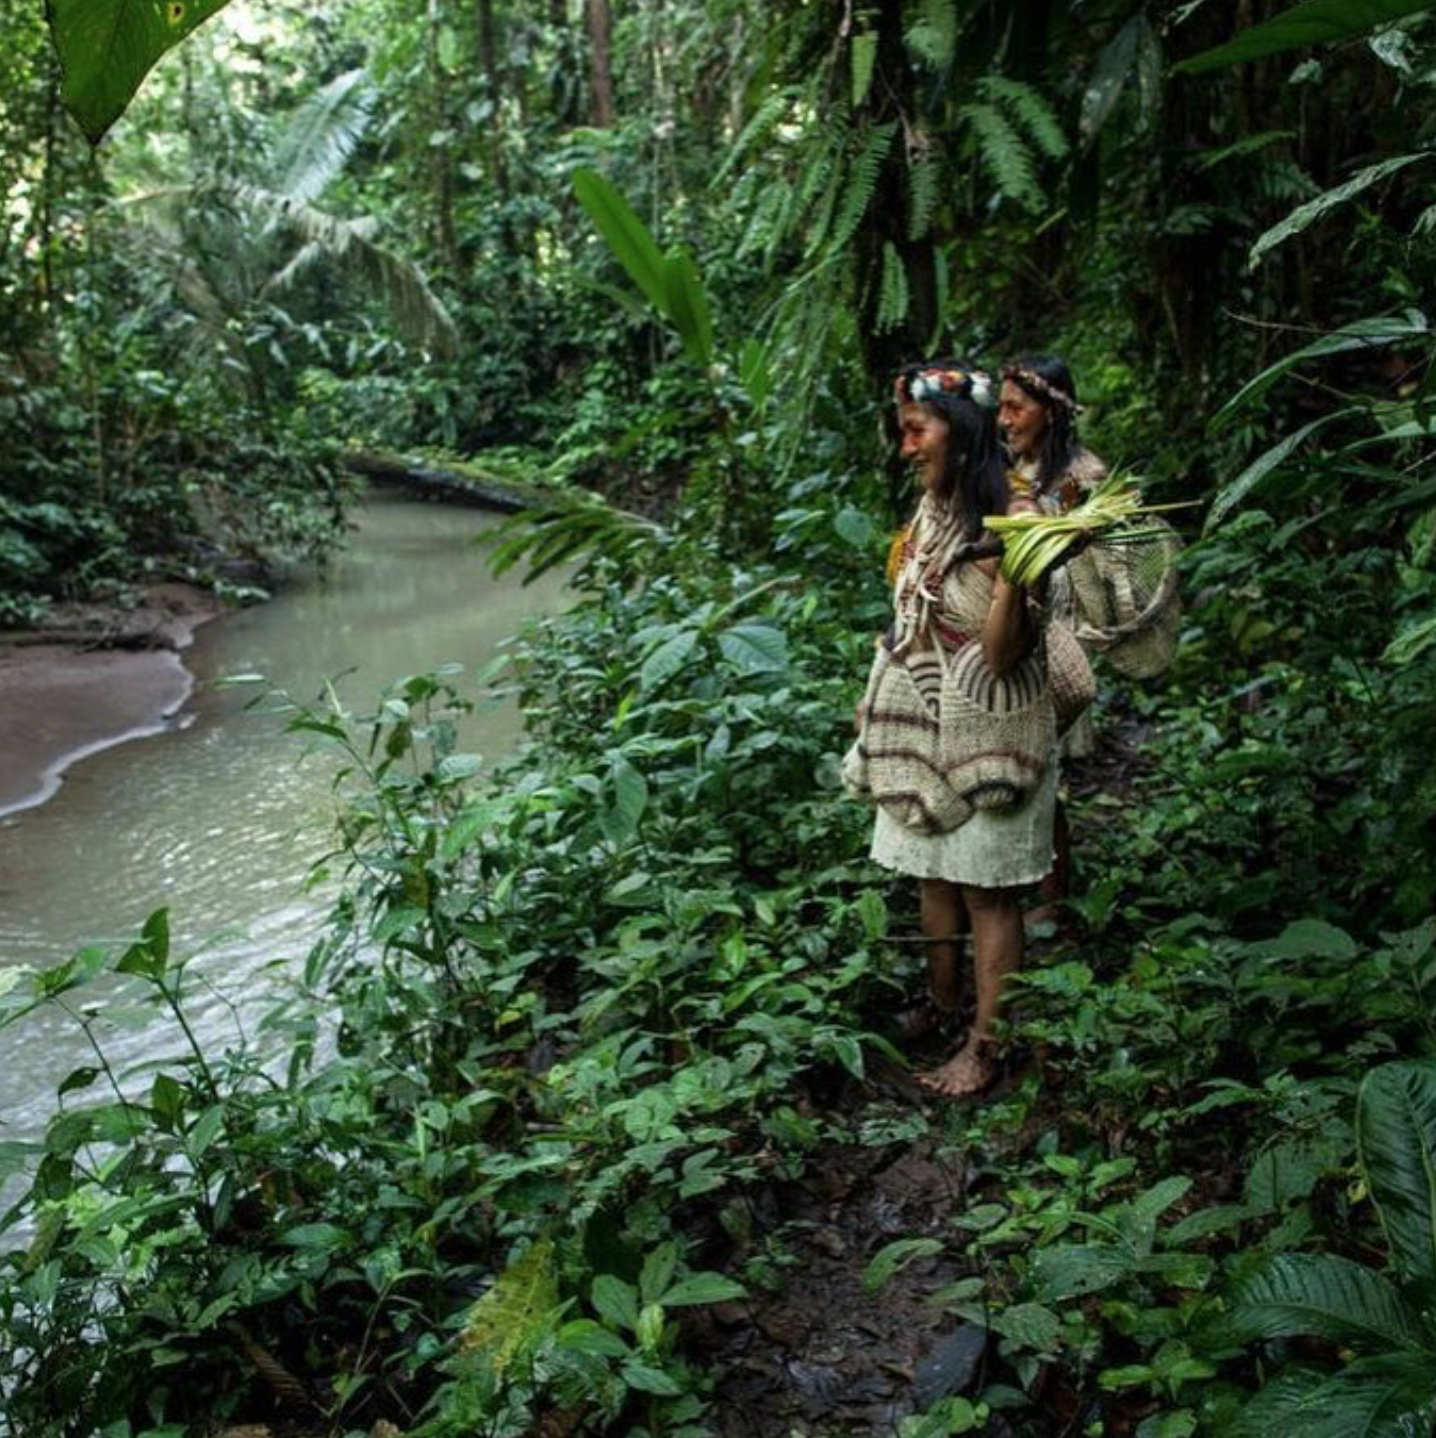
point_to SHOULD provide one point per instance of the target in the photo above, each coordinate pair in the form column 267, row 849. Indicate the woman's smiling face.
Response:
column 1022, row 419
column 924, row 444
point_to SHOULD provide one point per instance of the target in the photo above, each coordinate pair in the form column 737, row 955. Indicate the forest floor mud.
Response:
column 94, row 675
column 822, row 1354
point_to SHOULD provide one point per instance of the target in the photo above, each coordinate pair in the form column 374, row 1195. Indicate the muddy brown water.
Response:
column 221, row 817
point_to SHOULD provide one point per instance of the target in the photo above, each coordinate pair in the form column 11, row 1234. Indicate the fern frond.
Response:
column 763, row 222
column 1282, row 181
column 893, row 296
column 923, row 179
column 1029, row 107
column 818, row 171
column 861, row 182
column 932, row 37
column 823, row 214
column 1004, row 154
column 765, row 118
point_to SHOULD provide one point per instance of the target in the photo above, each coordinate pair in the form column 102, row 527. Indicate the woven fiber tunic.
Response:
column 991, row 850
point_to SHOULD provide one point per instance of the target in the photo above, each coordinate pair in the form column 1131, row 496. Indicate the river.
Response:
column 221, row 818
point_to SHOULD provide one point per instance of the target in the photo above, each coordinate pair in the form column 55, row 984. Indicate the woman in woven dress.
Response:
column 945, row 599
column 1037, row 414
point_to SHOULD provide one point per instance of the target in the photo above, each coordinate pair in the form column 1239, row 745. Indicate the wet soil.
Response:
column 822, row 1354
column 93, row 675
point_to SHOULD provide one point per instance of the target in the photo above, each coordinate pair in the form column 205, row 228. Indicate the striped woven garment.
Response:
column 942, row 736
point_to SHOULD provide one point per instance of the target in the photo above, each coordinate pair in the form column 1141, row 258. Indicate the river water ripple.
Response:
column 222, row 818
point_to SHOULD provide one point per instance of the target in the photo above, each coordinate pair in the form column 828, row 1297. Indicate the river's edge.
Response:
column 98, row 674
column 93, row 676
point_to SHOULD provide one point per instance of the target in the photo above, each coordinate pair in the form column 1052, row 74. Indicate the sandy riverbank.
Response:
column 92, row 677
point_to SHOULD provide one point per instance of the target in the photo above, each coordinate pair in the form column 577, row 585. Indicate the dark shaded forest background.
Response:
column 321, row 231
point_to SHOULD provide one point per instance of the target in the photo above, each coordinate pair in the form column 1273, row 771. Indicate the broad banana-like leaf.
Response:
column 1315, row 208
column 1328, row 1297
column 1387, row 1397
column 1370, row 333
column 1396, row 1144
column 625, row 234
column 1315, row 22
column 106, row 47
column 687, row 306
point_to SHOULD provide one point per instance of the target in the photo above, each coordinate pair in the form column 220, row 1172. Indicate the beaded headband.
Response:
column 1032, row 381
column 928, row 384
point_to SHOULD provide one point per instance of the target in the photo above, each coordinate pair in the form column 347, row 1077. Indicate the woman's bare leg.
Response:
column 996, row 917
column 944, row 919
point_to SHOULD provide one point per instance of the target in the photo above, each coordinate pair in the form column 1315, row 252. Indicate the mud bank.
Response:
column 94, row 676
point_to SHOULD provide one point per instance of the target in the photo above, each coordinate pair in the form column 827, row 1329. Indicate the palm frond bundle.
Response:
column 1033, row 543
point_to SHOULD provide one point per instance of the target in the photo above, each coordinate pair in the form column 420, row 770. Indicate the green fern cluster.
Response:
column 1013, row 129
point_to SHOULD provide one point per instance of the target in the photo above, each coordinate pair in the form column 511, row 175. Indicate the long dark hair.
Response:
column 1060, row 443
column 974, row 480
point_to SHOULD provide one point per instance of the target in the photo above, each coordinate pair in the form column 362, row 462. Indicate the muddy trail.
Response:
column 833, row 1348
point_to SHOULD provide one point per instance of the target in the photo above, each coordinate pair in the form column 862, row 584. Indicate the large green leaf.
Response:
column 1327, row 1297
column 1396, row 1143
column 755, row 648
column 1370, row 333
column 107, row 47
column 1315, row 22
column 1315, row 208
column 1386, row 1397
column 1072, row 1270
column 512, row 1314
column 1117, row 63
column 686, row 305
column 625, row 234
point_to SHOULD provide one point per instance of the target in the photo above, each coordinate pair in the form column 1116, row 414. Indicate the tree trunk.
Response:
column 494, row 84
column 600, row 63
column 441, row 156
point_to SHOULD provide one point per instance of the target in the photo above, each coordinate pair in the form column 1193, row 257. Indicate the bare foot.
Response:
column 966, row 1074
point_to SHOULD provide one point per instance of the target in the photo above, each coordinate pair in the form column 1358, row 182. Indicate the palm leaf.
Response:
column 1370, row 333
column 418, row 314
column 1263, row 465
column 318, row 139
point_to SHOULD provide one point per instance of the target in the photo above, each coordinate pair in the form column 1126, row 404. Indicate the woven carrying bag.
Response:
column 1128, row 607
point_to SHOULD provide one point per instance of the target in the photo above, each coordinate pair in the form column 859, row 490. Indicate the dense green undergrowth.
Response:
column 478, row 1160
